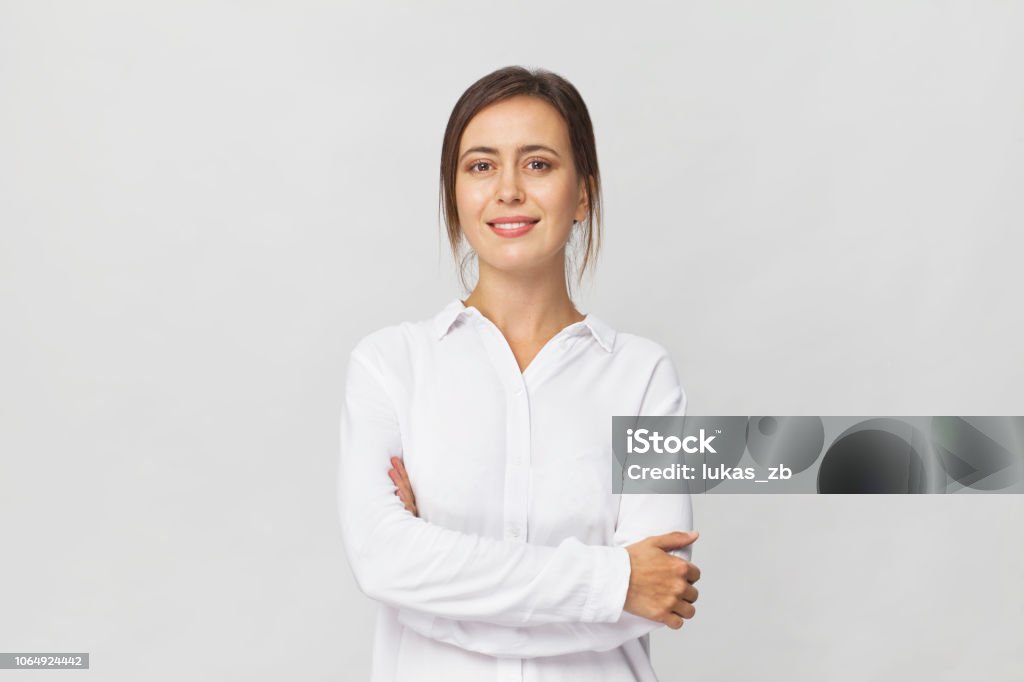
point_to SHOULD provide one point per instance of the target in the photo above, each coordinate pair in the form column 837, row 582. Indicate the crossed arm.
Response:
column 487, row 595
column 636, row 513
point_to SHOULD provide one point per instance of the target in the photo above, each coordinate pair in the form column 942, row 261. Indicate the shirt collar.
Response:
column 451, row 313
column 604, row 334
column 444, row 320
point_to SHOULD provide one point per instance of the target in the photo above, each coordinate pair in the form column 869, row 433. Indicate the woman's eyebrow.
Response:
column 522, row 149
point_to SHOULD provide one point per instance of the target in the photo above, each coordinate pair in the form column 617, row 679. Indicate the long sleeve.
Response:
column 404, row 561
column 639, row 516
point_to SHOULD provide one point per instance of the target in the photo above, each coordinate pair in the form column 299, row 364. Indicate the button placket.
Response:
column 517, row 443
column 517, row 470
column 517, row 433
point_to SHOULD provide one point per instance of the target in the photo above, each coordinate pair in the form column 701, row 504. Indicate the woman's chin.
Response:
column 519, row 263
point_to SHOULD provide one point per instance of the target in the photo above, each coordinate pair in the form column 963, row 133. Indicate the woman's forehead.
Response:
column 515, row 122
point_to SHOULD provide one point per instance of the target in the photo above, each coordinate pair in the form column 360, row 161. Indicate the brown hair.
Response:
column 502, row 84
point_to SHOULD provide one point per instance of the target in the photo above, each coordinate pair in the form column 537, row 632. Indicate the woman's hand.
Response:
column 660, row 584
column 403, row 487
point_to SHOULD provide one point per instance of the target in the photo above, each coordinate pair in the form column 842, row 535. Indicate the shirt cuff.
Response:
column 609, row 587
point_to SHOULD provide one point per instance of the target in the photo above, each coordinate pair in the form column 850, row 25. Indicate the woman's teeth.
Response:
column 511, row 226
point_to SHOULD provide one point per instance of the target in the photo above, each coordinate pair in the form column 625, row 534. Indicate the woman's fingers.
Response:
column 400, row 477
column 684, row 609
column 404, row 493
column 403, row 487
column 690, row 594
column 396, row 478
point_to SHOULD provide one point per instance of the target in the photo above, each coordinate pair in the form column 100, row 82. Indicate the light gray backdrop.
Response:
column 816, row 206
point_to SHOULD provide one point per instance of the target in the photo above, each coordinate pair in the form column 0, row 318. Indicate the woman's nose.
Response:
column 508, row 186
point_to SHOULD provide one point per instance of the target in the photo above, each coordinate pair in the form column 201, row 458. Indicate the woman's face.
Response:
column 515, row 161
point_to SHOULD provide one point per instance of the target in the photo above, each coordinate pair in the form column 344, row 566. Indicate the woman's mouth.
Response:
column 515, row 229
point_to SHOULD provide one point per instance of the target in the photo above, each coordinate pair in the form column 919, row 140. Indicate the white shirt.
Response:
column 516, row 568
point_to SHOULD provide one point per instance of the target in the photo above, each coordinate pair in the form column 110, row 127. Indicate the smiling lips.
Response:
column 512, row 226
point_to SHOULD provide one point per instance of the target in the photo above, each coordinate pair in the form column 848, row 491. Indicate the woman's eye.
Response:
column 482, row 166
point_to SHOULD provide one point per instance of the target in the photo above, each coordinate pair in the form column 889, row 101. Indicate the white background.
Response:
column 816, row 206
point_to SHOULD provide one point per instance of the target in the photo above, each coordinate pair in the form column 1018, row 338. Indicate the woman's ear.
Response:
column 584, row 204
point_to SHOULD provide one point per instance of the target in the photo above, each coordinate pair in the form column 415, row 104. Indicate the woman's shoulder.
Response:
column 652, row 361
column 395, row 342
column 632, row 345
column 389, row 341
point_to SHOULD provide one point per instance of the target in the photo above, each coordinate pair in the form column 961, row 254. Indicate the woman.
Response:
column 512, row 560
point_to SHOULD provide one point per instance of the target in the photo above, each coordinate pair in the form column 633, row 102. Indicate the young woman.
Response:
column 497, row 549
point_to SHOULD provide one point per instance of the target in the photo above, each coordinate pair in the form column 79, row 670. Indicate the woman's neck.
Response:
column 524, row 306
